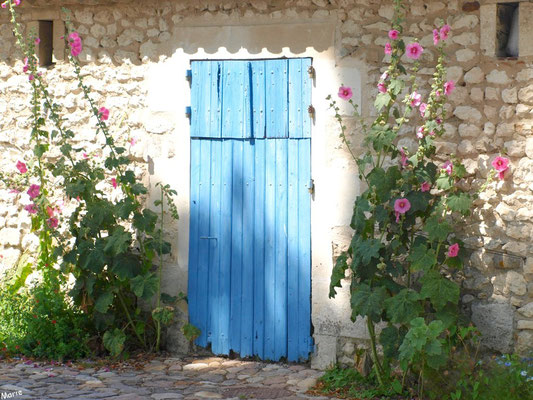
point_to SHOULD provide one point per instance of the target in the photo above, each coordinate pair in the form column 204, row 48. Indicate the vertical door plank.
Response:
column 296, row 100
column 203, row 231
column 214, row 245
column 281, row 247
column 307, row 100
column 259, row 248
column 276, row 98
column 236, row 247
column 258, row 98
column 236, row 102
column 292, row 257
column 225, row 247
column 194, row 244
column 215, row 101
column 270, row 250
column 247, row 306
column 304, row 229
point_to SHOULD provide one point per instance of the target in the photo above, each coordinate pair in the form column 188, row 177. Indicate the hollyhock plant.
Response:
column 436, row 37
column 53, row 222
column 500, row 164
column 448, row 167
column 345, row 92
column 388, row 49
column 420, row 132
column 425, row 187
column 114, row 182
column 75, row 44
column 416, row 99
column 444, row 32
column 393, row 34
column 423, row 107
column 403, row 160
column 34, row 191
column 104, row 113
column 401, row 206
column 21, row 167
column 449, row 87
column 31, row 208
column 382, row 88
column 453, row 250
column 414, row 50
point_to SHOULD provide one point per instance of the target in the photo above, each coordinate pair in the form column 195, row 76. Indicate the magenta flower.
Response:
column 448, row 167
column 33, row 191
column 500, row 164
column 21, row 167
column 425, row 187
column 416, row 99
column 31, row 78
column 53, row 222
column 423, row 108
column 31, row 208
column 345, row 92
column 104, row 113
column 384, row 76
column 420, row 132
column 75, row 44
column 453, row 250
column 414, row 50
column 401, row 206
column 436, row 37
column 37, row 40
column 393, row 34
column 114, row 182
column 133, row 141
column 16, row 2
column 388, row 49
column 445, row 31
column 449, row 87
column 382, row 88
column 403, row 160
column 26, row 66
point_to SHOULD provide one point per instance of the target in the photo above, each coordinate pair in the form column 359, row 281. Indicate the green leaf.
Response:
column 114, row 341
column 444, row 181
column 191, row 332
column 128, row 177
column 422, row 258
column 338, row 274
column 403, row 307
column 40, row 149
column 382, row 100
column 118, row 242
column 146, row 221
column 103, row 302
column 439, row 290
column 419, row 201
column 395, row 86
column 367, row 302
column 126, row 266
column 390, row 340
column 138, row 188
column 359, row 220
column 367, row 250
column 93, row 258
column 460, row 202
column 140, row 327
column 144, row 286
column 437, row 230
column 164, row 315
column 124, row 208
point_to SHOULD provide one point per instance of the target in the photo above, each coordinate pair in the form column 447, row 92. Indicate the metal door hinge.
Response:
column 188, row 76
column 311, row 111
column 311, row 187
column 312, row 72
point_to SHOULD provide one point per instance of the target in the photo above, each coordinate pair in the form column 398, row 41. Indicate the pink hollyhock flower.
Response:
column 393, row 34
column 448, row 167
column 403, row 160
column 453, row 250
column 31, row 208
column 31, row 78
column 414, row 50
column 445, row 31
column 384, row 76
column 432, row 133
column 21, row 167
column 425, row 187
column 53, row 222
column 437, row 93
column 388, row 49
column 382, row 88
column 416, row 99
column 420, row 132
column 500, row 164
column 133, row 141
column 401, row 206
column 50, row 211
column 33, row 191
column 85, row 155
column 26, row 66
column 75, row 44
column 14, row 191
column 436, row 37
column 114, row 182
column 104, row 113
column 37, row 40
column 438, row 121
column 423, row 108
column 449, row 87
column 345, row 92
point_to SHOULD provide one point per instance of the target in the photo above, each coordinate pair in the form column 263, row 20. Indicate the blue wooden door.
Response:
column 250, row 239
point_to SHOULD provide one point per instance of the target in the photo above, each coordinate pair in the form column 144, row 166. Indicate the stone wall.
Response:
column 130, row 48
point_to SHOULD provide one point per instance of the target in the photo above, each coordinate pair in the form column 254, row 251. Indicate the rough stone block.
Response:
column 325, row 354
column 495, row 322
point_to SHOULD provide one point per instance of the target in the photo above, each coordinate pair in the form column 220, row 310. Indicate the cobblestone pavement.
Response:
column 160, row 378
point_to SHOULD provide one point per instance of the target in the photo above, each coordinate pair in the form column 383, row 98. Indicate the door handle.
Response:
column 210, row 238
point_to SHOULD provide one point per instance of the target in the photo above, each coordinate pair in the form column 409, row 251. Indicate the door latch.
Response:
column 311, row 187
column 210, row 238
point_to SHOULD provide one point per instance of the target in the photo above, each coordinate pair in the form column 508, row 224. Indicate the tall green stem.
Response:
column 377, row 365
column 160, row 270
